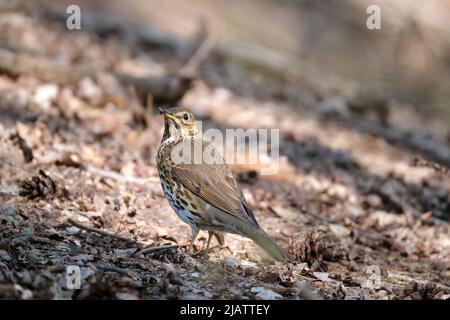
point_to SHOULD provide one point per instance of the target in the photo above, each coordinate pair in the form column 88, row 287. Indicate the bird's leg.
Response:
column 210, row 235
column 219, row 237
column 221, row 240
column 194, row 236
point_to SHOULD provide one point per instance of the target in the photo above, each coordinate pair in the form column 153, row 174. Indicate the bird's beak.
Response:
column 168, row 114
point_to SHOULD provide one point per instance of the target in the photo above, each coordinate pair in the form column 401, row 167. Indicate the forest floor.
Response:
column 363, row 207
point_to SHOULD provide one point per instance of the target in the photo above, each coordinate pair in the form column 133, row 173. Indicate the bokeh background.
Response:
column 321, row 44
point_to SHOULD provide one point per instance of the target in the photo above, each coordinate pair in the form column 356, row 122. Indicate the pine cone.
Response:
column 41, row 187
column 314, row 248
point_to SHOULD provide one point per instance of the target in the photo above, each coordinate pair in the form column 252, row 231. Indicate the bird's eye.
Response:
column 186, row 116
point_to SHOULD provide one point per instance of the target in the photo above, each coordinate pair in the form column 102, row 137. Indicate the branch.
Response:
column 98, row 231
column 153, row 249
column 119, row 177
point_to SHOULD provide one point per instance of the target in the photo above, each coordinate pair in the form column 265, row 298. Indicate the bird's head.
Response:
column 178, row 124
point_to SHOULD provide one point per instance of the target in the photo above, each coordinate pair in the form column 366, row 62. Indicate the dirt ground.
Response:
column 362, row 207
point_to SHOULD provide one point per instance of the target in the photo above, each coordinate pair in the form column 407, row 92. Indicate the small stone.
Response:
column 45, row 94
column 126, row 296
column 25, row 294
column 339, row 230
column 88, row 89
column 71, row 231
column 334, row 105
column 230, row 262
column 8, row 210
column 374, row 201
column 5, row 256
column 265, row 294
column 322, row 276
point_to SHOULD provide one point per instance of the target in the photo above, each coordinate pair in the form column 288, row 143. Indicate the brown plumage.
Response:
column 205, row 194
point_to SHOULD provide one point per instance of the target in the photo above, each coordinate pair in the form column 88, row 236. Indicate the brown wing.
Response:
column 215, row 184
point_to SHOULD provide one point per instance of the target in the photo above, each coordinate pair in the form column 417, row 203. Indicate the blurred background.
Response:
column 321, row 44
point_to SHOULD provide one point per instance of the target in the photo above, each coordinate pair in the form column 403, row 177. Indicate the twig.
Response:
column 41, row 239
column 109, row 267
column 120, row 224
column 190, row 69
column 102, row 232
column 153, row 249
column 121, row 178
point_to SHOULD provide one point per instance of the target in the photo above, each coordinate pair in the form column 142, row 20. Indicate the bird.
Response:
column 204, row 194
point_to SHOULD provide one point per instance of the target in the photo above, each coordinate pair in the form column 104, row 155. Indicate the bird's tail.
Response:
column 269, row 245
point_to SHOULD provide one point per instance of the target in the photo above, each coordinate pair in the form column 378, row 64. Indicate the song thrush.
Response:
column 204, row 194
